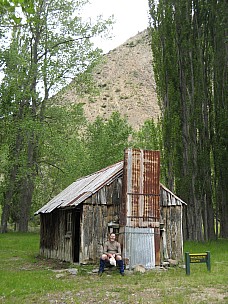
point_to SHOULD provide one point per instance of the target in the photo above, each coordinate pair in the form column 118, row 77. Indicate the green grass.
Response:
column 27, row 278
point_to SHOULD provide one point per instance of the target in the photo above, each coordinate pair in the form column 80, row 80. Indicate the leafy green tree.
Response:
column 62, row 155
column 49, row 44
column 218, row 28
column 106, row 141
column 149, row 136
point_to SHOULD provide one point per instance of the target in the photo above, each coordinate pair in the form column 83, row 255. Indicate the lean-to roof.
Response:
column 83, row 188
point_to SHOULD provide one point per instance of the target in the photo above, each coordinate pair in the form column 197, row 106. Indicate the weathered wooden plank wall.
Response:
column 172, row 218
column 54, row 243
column 98, row 211
column 49, row 234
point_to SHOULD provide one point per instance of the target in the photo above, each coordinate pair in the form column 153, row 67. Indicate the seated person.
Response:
column 111, row 249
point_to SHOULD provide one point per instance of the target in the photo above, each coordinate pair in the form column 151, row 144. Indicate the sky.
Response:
column 131, row 17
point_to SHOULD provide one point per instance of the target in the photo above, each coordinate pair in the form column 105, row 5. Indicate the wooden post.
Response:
column 208, row 260
column 187, row 263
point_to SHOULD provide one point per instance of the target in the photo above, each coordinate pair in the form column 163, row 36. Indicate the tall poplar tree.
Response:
column 185, row 40
column 218, row 29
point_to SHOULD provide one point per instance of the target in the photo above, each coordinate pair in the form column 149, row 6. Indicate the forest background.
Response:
column 45, row 148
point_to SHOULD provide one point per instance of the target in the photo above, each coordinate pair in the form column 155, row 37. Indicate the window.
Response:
column 69, row 222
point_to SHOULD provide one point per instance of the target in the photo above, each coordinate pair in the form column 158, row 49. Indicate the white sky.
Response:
column 131, row 17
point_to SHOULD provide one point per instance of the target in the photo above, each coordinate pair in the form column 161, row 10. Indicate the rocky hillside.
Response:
column 126, row 84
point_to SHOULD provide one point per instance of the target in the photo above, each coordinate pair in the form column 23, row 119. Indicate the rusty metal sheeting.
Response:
column 168, row 198
column 83, row 188
column 141, row 195
column 139, row 247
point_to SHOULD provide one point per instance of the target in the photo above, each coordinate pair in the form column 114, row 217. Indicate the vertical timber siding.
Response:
column 98, row 211
column 171, row 217
column 54, row 243
column 173, row 226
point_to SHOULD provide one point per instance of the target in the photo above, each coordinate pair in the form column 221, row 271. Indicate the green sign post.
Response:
column 197, row 258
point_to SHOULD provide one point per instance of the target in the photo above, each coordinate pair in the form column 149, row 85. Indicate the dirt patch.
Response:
column 210, row 295
column 127, row 296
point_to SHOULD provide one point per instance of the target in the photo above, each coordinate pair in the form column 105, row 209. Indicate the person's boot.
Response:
column 101, row 268
column 121, row 266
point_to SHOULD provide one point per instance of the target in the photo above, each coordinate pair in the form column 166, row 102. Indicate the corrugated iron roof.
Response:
column 86, row 186
column 83, row 188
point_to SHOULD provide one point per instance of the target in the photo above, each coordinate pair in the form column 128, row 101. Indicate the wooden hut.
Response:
column 126, row 198
column 74, row 224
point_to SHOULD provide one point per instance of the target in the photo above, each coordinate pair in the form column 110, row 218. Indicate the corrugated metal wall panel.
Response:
column 139, row 247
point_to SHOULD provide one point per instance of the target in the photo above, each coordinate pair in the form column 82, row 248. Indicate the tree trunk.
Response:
column 5, row 212
column 27, row 184
column 26, row 202
column 11, row 186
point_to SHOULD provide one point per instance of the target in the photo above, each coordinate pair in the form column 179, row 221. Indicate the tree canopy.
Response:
column 44, row 44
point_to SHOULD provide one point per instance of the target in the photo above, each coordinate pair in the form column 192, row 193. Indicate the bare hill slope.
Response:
column 126, row 82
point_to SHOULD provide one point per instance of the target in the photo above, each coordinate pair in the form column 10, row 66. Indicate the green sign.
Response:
column 197, row 258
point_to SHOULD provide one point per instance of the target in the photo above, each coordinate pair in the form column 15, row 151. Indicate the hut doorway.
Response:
column 77, row 233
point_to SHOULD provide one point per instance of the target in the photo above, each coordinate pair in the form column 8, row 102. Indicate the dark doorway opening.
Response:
column 77, row 234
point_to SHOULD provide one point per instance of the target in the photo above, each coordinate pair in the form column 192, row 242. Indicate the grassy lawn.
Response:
column 27, row 278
